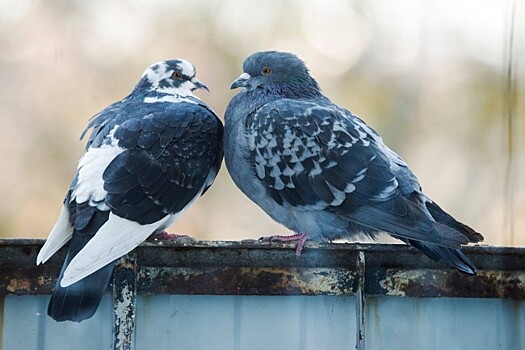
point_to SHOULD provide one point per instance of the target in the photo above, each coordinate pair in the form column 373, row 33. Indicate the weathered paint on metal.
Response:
column 246, row 281
column 360, row 303
column 250, row 267
column 124, row 302
column 19, row 274
column 437, row 283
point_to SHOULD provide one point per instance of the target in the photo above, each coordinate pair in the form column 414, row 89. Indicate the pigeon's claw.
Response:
column 299, row 237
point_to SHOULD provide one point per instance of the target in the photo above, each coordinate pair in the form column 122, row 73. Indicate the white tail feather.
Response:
column 114, row 239
column 60, row 234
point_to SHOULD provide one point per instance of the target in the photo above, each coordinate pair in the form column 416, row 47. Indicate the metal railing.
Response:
column 253, row 268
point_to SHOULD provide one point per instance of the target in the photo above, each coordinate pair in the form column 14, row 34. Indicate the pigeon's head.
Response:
column 171, row 76
column 280, row 72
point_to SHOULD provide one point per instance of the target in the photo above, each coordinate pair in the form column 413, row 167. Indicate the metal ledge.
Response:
column 186, row 266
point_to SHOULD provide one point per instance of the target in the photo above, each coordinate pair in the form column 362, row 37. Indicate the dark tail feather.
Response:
column 80, row 300
column 454, row 257
column 442, row 217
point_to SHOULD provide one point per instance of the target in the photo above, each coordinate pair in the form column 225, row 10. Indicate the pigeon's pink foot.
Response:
column 165, row 236
column 299, row 237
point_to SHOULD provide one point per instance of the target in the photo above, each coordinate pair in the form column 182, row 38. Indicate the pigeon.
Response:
column 320, row 171
column 147, row 159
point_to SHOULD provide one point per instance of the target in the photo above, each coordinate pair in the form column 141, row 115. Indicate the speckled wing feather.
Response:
column 321, row 157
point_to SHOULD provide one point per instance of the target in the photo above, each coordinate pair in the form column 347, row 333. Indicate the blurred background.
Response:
column 431, row 76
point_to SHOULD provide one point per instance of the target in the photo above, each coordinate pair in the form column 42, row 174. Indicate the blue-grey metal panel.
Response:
column 27, row 326
column 445, row 323
column 277, row 322
column 246, row 322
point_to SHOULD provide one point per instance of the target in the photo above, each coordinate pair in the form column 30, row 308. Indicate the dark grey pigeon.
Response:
column 148, row 158
column 321, row 171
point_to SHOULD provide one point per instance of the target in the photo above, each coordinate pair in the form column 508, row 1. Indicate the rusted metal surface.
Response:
column 366, row 271
column 403, row 272
column 124, row 302
column 437, row 283
column 253, row 268
column 246, row 281
column 19, row 274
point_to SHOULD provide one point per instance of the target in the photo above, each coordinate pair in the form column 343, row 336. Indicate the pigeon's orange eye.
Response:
column 176, row 75
column 266, row 70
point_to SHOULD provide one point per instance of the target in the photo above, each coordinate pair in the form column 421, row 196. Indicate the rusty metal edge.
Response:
column 391, row 270
column 256, row 244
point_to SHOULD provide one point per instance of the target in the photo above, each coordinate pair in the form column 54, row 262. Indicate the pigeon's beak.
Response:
column 240, row 81
column 199, row 85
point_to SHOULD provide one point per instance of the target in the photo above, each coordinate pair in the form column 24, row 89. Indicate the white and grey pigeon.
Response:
column 148, row 158
column 319, row 170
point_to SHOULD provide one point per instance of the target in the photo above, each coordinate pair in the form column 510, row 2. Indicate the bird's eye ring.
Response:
column 266, row 70
column 176, row 75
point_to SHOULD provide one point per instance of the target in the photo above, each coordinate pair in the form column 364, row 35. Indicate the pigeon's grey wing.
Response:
column 167, row 160
column 318, row 158
column 409, row 186
column 407, row 181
